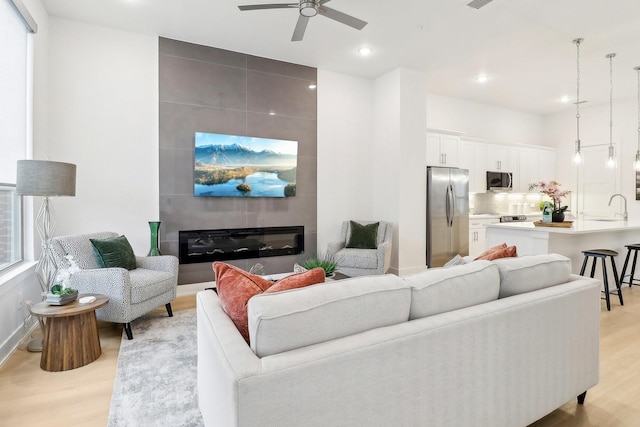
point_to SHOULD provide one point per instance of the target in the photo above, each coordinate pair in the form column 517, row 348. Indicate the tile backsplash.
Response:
column 505, row 203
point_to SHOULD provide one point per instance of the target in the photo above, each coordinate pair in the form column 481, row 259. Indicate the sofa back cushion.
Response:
column 296, row 318
column 438, row 290
column 532, row 272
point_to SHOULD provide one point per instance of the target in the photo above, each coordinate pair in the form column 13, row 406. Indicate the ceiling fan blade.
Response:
column 477, row 4
column 341, row 17
column 301, row 27
column 323, row 2
column 268, row 6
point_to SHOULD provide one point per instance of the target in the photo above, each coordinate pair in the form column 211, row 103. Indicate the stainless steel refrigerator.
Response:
column 447, row 214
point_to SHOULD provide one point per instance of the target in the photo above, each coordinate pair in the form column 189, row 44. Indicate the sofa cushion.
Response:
column 114, row 252
column 235, row 287
column 532, row 272
column 287, row 320
column 363, row 236
column 508, row 252
column 357, row 258
column 438, row 290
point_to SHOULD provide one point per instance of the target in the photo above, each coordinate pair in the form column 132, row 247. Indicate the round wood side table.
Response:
column 71, row 337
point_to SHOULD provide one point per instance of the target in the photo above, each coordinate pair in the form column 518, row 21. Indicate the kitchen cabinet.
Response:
column 478, row 234
column 535, row 165
column 498, row 158
column 442, row 149
column 473, row 156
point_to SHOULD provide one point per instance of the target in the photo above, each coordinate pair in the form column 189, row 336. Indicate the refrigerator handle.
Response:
column 449, row 206
column 453, row 205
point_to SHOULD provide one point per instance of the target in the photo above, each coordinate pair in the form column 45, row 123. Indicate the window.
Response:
column 16, row 24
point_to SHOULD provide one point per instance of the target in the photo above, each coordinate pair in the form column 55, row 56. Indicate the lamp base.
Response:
column 35, row 345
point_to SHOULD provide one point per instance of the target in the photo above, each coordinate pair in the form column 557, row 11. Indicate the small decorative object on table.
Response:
column 552, row 189
column 61, row 292
column 324, row 261
column 154, row 226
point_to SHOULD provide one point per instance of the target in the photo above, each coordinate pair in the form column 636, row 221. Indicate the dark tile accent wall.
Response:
column 205, row 89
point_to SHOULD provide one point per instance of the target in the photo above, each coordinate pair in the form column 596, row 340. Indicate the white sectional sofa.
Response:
column 490, row 343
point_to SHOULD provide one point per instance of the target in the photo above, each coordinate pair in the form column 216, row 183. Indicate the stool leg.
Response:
column 615, row 275
column 584, row 265
column 593, row 267
column 624, row 268
column 606, row 281
column 633, row 267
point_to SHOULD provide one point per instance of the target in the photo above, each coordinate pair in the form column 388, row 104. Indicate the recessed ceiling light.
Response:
column 482, row 78
column 364, row 51
column 313, row 86
column 565, row 98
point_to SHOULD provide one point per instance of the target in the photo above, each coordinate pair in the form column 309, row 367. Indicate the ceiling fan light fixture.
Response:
column 308, row 8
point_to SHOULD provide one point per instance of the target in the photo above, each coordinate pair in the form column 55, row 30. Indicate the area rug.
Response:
column 156, row 376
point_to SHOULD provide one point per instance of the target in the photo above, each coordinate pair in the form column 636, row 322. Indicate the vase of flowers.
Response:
column 553, row 191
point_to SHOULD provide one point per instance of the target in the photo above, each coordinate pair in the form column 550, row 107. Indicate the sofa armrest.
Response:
column 384, row 256
column 334, row 247
column 224, row 362
column 166, row 263
column 114, row 281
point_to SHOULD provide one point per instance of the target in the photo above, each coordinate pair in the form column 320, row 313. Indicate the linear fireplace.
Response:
column 239, row 243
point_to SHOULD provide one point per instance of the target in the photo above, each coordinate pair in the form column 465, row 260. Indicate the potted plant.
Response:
column 61, row 292
column 324, row 261
column 552, row 189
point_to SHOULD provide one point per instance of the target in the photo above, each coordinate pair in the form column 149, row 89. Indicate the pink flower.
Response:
column 551, row 189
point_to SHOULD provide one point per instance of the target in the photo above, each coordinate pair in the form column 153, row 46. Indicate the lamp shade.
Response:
column 45, row 178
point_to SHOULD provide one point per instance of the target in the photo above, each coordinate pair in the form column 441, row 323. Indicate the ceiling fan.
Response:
column 309, row 9
column 477, row 4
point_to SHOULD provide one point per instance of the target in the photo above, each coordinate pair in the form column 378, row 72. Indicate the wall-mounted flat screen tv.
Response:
column 244, row 166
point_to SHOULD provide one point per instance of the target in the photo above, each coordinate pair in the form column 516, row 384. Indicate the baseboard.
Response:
column 13, row 342
column 193, row 288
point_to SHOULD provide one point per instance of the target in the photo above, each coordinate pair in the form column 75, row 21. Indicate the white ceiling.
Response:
column 524, row 46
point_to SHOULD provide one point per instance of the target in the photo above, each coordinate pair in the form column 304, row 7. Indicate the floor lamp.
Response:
column 46, row 179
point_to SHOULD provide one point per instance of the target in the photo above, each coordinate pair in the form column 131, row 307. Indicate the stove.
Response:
column 513, row 218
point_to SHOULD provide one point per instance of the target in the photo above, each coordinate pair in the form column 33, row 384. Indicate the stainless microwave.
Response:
column 499, row 181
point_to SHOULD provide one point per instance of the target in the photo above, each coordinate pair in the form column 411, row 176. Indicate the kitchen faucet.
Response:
column 624, row 215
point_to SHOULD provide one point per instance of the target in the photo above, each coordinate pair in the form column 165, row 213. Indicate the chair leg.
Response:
column 606, row 281
column 633, row 267
column 584, row 265
column 624, row 268
column 581, row 398
column 169, row 311
column 615, row 276
column 127, row 329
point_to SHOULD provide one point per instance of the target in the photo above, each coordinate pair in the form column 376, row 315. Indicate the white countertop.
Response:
column 578, row 227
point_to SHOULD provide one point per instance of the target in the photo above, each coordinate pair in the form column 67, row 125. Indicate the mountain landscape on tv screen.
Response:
column 237, row 169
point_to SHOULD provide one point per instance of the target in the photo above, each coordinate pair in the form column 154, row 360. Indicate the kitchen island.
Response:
column 570, row 242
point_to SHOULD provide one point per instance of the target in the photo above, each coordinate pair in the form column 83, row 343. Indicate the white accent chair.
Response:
column 131, row 293
column 361, row 262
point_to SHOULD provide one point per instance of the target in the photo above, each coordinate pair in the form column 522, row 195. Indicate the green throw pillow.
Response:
column 114, row 252
column 363, row 236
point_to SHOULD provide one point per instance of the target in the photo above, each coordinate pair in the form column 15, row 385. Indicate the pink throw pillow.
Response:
column 490, row 250
column 235, row 287
column 511, row 251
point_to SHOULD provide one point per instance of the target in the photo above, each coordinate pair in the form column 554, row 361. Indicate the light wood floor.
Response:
column 81, row 397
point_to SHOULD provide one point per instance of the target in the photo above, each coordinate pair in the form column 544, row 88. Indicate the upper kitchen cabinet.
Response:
column 498, row 158
column 473, row 156
column 535, row 164
column 443, row 149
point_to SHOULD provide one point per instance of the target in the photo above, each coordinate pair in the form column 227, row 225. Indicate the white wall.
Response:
column 485, row 121
column 103, row 116
column 345, row 135
column 560, row 130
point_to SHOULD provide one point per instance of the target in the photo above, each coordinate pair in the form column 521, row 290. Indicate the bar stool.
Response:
column 635, row 247
column 603, row 254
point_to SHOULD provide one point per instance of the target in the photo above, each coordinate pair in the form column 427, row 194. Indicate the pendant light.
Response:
column 636, row 162
column 577, row 156
column 611, row 160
